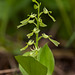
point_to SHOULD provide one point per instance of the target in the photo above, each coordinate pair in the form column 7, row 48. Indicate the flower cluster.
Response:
column 37, row 21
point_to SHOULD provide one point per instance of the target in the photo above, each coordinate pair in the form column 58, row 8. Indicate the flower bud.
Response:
column 31, row 21
column 29, row 35
column 33, row 0
column 45, row 36
column 35, row 6
column 45, row 11
column 50, row 12
column 35, row 30
column 32, row 15
column 30, row 42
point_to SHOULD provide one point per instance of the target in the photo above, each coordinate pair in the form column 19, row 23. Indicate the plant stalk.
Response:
column 37, row 27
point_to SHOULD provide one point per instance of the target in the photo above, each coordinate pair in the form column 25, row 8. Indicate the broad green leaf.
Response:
column 46, row 58
column 20, row 67
column 22, row 70
column 31, row 66
column 54, row 41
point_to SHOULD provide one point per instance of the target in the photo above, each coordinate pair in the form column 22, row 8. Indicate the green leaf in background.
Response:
column 31, row 66
column 46, row 58
column 54, row 41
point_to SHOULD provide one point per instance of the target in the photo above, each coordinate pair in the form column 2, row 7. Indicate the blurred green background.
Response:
column 14, row 11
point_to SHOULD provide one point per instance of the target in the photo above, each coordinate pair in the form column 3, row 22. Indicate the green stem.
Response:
column 51, row 17
column 39, row 38
column 37, row 27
